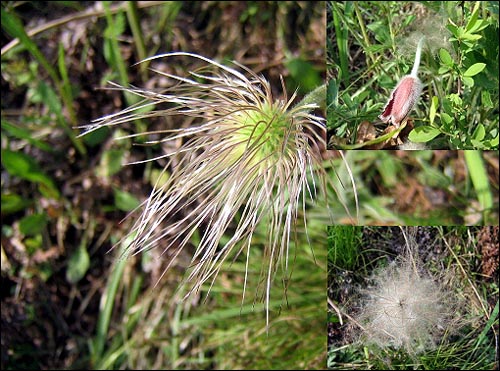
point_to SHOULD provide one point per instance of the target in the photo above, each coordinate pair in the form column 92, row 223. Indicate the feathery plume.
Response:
column 405, row 307
column 246, row 154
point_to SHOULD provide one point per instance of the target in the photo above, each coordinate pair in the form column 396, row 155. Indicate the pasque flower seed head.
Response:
column 405, row 307
column 246, row 153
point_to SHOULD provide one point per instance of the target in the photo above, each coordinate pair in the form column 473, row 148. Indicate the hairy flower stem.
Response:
column 316, row 97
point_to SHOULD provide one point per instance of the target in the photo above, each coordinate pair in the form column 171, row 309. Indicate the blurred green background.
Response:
column 66, row 302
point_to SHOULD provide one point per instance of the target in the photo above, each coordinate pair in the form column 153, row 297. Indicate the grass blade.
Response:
column 479, row 177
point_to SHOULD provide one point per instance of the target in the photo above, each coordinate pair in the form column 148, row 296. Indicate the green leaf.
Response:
column 304, row 74
column 479, row 26
column 45, row 94
column 13, row 26
column 445, row 118
column 108, row 300
column 474, row 69
column 423, row 134
column 409, row 19
column 111, row 162
column 486, row 99
column 114, row 30
column 33, row 224
column 380, row 31
column 124, row 200
column 479, row 133
column 78, row 265
column 158, row 177
column 479, row 177
column 434, row 177
column 12, row 203
column 25, row 167
column 33, row 243
column 48, row 190
column 468, row 81
column 63, row 71
column 494, row 142
column 96, row 137
column 445, row 57
column 21, row 165
column 443, row 69
column 433, row 109
column 477, row 144
column 25, row 134
column 455, row 99
column 454, row 30
column 332, row 94
column 490, row 325
column 470, row 37
column 377, row 140
column 473, row 17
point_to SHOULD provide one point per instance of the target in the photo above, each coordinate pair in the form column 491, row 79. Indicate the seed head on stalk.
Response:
column 246, row 154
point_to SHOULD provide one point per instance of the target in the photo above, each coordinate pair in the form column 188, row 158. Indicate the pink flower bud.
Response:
column 405, row 95
column 402, row 100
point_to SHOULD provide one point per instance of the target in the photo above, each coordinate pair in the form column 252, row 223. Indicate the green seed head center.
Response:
column 263, row 131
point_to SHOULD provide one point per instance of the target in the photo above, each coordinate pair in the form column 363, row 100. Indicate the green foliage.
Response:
column 343, row 245
column 63, row 198
column 124, row 200
column 19, row 132
column 78, row 265
column 98, row 343
column 411, row 188
column 14, row 27
column 12, row 203
column 111, row 162
column 303, row 75
column 25, row 167
column 480, row 181
column 459, row 70
column 33, row 224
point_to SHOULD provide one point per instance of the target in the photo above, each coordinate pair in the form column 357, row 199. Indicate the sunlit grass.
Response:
column 371, row 46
